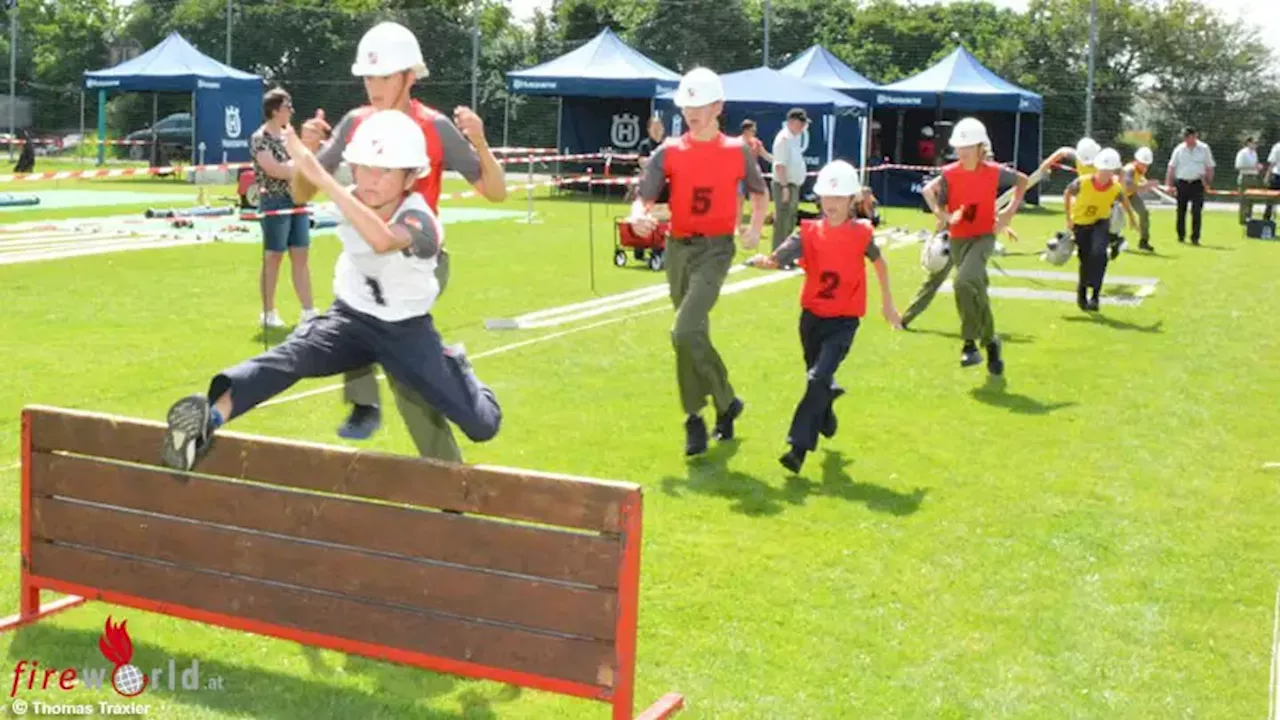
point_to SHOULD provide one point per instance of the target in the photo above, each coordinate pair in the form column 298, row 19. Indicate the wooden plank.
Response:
column 559, row 500
column 461, row 592
column 426, row 534
column 585, row 661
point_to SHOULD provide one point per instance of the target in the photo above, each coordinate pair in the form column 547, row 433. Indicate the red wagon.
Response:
column 626, row 239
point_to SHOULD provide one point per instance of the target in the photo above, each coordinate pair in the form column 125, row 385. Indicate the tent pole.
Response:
column 193, row 131
column 559, row 120
column 102, row 127
column 155, row 139
column 864, row 148
column 506, row 118
column 81, row 153
column 1017, row 135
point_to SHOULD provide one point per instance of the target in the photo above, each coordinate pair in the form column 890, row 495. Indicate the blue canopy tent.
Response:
column 765, row 95
column 817, row 65
column 605, row 67
column 226, row 103
column 960, row 85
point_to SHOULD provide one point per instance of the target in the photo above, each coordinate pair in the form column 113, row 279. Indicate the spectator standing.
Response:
column 1248, row 176
column 788, row 174
column 1192, row 166
column 286, row 232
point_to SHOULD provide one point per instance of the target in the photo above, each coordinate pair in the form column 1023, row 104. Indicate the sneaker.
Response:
column 969, row 355
column 189, row 434
column 724, row 421
column 1146, row 246
column 695, row 436
column 995, row 357
column 793, row 459
column 1082, row 299
column 829, row 423
column 1093, row 305
column 271, row 320
column 307, row 316
column 362, row 423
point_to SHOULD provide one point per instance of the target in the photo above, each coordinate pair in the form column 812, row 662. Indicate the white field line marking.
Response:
column 1274, row 680
column 70, row 252
column 78, row 241
column 1073, row 277
column 485, row 354
column 7, row 468
column 1065, row 296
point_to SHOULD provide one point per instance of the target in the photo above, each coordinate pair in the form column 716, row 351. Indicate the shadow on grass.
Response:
column 1100, row 319
column 272, row 336
column 393, row 691
column 708, row 475
column 1009, row 338
column 996, row 394
column 1219, row 248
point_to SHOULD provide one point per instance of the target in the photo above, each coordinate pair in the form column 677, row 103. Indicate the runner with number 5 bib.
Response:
column 704, row 168
column 967, row 190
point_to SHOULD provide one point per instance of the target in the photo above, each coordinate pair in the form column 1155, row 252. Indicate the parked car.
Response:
column 173, row 132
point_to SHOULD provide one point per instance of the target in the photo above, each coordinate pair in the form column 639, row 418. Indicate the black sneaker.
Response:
column 1115, row 250
column 793, row 459
column 829, row 423
column 1082, row 298
column 995, row 358
column 724, row 420
column 362, row 423
column 969, row 355
column 695, row 436
column 1146, row 246
column 1093, row 305
column 188, row 436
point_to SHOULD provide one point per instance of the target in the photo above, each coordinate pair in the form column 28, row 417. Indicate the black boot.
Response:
column 724, row 420
column 969, row 355
column 695, row 435
column 793, row 459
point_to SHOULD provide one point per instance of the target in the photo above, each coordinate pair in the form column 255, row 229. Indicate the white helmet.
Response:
column 699, row 87
column 388, row 48
column 1144, row 155
column 837, row 178
column 936, row 253
column 926, row 131
column 1058, row 250
column 1087, row 149
column 389, row 139
column 969, row 132
column 1108, row 159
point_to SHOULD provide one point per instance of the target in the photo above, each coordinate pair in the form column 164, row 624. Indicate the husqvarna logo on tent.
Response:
column 625, row 132
column 207, row 85
column 897, row 100
column 102, row 83
column 232, row 117
column 527, row 85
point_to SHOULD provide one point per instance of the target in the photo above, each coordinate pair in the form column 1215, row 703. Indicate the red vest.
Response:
column 428, row 186
column 976, row 191
column 704, row 179
column 835, row 271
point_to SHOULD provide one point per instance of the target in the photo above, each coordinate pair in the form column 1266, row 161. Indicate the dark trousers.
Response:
column 1190, row 192
column 1091, row 248
column 1273, row 183
column 826, row 342
column 342, row 340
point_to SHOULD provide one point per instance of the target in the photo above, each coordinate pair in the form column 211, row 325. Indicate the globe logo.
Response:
column 117, row 647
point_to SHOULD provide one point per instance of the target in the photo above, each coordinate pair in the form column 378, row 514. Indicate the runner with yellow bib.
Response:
column 1088, row 209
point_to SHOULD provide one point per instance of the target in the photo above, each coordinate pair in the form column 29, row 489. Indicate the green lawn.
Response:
column 1094, row 539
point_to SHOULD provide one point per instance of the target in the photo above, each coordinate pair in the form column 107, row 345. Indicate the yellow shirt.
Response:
column 1092, row 204
column 1084, row 169
column 1139, row 177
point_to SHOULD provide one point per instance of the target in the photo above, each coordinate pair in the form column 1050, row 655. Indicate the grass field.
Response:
column 1094, row 539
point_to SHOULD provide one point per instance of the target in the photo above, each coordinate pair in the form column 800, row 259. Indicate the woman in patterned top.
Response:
column 273, row 170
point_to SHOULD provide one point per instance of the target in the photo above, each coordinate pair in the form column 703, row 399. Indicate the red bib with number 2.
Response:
column 835, row 282
column 704, row 179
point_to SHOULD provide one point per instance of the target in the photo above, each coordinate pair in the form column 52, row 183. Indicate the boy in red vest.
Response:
column 389, row 60
column 704, row 168
column 967, row 190
column 834, row 298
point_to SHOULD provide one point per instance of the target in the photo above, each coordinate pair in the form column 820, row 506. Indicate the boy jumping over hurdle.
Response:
column 834, row 299
column 385, row 282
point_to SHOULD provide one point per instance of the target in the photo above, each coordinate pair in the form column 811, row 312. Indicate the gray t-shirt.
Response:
column 460, row 155
column 792, row 249
column 654, row 177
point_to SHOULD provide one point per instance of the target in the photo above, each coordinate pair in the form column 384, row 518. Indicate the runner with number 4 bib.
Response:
column 967, row 190
column 835, row 249
column 704, row 168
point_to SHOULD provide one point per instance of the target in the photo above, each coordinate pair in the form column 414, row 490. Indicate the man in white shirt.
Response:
column 1192, row 166
column 1271, row 175
column 788, row 174
column 1248, row 176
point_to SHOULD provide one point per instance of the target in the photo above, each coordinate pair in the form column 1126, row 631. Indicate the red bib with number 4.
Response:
column 835, row 281
column 975, row 191
column 704, row 179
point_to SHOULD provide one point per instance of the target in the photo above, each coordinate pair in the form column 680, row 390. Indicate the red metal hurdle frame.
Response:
column 620, row 697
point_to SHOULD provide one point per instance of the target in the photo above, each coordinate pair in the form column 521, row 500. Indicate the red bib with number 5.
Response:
column 704, row 179
column 835, row 280
column 975, row 191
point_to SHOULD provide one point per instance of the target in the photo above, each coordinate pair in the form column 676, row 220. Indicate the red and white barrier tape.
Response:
column 523, row 151
column 119, row 172
column 568, row 158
